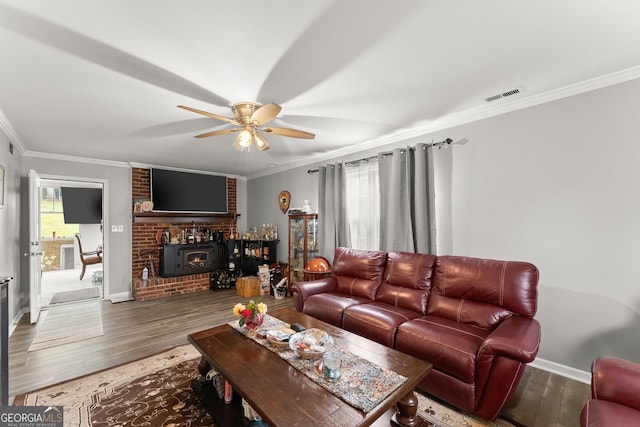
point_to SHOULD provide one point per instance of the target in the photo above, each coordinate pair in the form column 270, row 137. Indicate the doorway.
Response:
column 66, row 224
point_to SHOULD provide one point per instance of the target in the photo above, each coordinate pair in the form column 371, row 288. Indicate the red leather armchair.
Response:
column 615, row 394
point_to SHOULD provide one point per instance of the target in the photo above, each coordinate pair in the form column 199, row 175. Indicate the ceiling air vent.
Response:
column 504, row 94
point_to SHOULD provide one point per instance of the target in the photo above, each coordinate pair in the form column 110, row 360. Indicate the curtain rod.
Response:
column 447, row 141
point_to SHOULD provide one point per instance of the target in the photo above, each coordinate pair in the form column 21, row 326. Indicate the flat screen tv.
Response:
column 176, row 191
column 81, row 205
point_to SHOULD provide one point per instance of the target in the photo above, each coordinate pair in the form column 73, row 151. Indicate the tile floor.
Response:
column 67, row 280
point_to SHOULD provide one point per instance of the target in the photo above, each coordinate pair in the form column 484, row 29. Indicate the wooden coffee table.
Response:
column 283, row 396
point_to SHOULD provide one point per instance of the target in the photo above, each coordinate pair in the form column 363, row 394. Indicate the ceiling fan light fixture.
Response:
column 245, row 138
column 249, row 118
column 261, row 143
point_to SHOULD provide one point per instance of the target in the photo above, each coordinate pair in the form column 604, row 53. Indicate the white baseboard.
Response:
column 121, row 297
column 16, row 320
column 562, row 370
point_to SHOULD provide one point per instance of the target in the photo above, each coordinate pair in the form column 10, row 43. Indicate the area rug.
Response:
column 77, row 295
column 156, row 391
column 441, row 415
column 66, row 324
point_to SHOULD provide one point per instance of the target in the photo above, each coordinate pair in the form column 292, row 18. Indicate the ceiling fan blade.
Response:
column 265, row 114
column 293, row 133
column 216, row 133
column 208, row 114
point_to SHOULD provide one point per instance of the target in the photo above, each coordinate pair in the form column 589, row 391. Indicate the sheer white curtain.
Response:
column 363, row 204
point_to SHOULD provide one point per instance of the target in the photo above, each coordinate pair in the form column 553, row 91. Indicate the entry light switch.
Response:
column 117, row 228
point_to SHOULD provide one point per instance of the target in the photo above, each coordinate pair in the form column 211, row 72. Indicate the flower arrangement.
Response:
column 251, row 313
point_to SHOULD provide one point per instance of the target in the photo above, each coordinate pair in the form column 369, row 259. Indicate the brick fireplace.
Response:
column 144, row 244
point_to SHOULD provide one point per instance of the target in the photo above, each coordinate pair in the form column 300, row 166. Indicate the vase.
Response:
column 253, row 323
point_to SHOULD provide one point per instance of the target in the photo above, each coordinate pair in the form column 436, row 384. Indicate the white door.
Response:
column 35, row 252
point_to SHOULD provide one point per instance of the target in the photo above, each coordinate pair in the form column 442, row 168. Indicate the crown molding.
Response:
column 495, row 108
column 8, row 130
column 64, row 157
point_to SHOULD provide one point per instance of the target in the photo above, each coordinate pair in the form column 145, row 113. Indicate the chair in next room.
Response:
column 88, row 258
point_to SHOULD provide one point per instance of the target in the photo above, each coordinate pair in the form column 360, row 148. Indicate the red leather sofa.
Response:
column 471, row 318
column 615, row 394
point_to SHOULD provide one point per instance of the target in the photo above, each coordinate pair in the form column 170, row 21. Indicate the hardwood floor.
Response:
column 134, row 329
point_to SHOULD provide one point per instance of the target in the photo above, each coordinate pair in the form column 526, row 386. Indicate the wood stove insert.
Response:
column 181, row 260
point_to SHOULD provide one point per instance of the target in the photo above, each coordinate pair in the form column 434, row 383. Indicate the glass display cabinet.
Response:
column 303, row 245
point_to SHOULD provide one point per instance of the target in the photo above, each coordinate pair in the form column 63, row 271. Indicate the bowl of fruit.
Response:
column 311, row 343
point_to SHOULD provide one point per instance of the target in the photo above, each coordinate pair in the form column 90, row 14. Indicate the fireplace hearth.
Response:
column 181, row 260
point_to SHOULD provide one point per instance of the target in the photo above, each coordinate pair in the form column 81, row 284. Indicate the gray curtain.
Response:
column 407, row 217
column 333, row 224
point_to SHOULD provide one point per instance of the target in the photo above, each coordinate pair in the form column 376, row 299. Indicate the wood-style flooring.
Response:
column 135, row 329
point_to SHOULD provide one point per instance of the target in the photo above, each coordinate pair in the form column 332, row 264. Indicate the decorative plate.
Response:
column 147, row 206
column 284, row 198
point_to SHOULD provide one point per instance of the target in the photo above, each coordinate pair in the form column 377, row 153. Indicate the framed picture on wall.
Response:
column 1, row 186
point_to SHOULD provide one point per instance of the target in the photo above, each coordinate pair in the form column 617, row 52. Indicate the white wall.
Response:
column 10, row 253
column 557, row 185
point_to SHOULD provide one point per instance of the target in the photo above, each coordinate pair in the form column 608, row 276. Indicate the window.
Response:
column 52, row 223
column 363, row 204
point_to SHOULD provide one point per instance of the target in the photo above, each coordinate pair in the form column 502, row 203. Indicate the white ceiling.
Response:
column 102, row 78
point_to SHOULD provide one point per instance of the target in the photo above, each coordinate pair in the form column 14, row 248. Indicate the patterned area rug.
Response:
column 66, row 324
column 440, row 415
column 156, row 391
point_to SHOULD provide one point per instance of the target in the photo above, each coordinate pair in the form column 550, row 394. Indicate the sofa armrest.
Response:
column 516, row 337
column 616, row 380
column 303, row 290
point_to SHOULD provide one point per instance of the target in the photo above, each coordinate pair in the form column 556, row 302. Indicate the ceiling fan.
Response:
column 249, row 120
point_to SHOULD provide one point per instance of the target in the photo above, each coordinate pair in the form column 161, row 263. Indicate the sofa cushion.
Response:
column 329, row 307
column 485, row 316
column 498, row 287
column 450, row 346
column 376, row 321
column 407, row 281
column 358, row 272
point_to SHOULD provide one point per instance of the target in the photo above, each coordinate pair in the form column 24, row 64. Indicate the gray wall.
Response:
column 263, row 207
column 10, row 254
column 556, row 185
column 117, row 198
column 263, row 192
